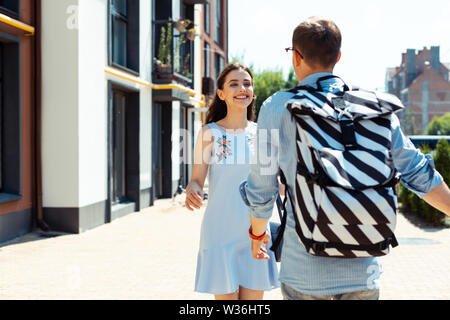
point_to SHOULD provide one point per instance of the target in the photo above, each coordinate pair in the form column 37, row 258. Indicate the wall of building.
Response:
column 76, row 102
column 421, row 82
column 17, row 206
column 92, row 101
column 60, row 101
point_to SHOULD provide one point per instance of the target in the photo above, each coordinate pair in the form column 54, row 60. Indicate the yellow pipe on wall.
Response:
column 17, row 24
column 120, row 74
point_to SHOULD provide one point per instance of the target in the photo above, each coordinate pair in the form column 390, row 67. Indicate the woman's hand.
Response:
column 258, row 250
column 194, row 196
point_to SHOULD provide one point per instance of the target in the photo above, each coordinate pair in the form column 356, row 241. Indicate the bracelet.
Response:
column 258, row 238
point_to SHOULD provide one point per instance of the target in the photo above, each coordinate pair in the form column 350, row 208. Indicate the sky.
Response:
column 374, row 33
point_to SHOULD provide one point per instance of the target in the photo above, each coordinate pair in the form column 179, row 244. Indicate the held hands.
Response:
column 194, row 196
column 258, row 250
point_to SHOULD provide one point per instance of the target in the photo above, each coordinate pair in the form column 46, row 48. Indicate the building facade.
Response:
column 422, row 84
column 214, row 43
column 101, row 102
column 17, row 117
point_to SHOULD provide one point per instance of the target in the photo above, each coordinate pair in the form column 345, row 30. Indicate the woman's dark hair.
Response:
column 218, row 108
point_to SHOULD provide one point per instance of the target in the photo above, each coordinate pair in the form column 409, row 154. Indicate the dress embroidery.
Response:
column 224, row 148
column 251, row 142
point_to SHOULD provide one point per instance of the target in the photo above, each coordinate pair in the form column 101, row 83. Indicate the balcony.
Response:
column 173, row 53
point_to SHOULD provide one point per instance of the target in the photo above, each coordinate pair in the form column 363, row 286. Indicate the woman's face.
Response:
column 237, row 89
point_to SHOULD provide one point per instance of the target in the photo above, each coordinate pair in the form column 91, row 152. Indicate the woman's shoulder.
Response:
column 206, row 132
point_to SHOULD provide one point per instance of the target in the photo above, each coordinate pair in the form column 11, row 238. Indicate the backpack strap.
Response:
column 306, row 242
column 281, row 206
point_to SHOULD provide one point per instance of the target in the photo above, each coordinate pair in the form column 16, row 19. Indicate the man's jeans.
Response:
column 291, row 294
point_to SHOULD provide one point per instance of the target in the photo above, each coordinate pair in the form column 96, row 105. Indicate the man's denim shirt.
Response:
column 276, row 149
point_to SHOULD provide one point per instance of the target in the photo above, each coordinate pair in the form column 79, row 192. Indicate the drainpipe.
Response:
column 38, row 118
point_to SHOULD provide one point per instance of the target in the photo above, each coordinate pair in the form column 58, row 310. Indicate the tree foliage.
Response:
column 412, row 203
column 268, row 81
column 439, row 125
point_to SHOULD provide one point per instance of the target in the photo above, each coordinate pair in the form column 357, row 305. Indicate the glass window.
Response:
column 1, row 113
column 218, row 65
column 10, row 119
column 207, row 17
column 120, row 6
column 10, row 7
column 119, row 148
column 218, row 22
column 124, row 34
column 207, row 53
column 119, row 31
column 119, row 42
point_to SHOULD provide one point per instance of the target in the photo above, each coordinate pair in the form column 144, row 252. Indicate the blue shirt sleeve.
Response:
column 260, row 190
column 417, row 170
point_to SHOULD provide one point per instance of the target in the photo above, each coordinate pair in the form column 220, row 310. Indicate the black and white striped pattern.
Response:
column 354, row 213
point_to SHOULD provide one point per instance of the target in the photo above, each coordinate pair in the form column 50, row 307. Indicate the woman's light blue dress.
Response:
column 225, row 260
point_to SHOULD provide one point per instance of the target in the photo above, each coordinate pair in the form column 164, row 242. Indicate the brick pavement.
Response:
column 152, row 255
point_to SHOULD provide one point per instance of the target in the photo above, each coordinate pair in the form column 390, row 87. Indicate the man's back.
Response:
column 299, row 269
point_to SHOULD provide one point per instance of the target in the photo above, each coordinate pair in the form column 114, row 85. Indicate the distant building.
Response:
column 422, row 84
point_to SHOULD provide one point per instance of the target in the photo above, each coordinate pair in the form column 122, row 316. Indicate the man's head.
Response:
column 317, row 46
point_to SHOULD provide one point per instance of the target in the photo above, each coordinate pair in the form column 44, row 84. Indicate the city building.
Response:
column 18, row 85
column 101, row 101
column 422, row 84
column 214, row 43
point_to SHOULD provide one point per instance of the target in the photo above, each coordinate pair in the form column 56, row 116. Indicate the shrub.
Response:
column 413, row 203
column 439, row 125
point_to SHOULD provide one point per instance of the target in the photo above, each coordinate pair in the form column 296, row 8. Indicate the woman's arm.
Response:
column 202, row 158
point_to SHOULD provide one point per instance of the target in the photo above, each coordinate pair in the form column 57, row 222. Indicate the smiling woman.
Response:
column 224, row 151
column 218, row 108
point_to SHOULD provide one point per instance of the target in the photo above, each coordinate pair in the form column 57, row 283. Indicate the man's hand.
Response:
column 258, row 250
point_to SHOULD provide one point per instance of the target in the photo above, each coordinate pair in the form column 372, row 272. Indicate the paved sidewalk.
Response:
column 152, row 255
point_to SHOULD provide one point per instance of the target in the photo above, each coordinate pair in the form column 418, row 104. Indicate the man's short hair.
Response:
column 318, row 40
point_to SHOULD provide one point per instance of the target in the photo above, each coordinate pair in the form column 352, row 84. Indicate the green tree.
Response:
column 442, row 159
column 267, row 82
column 413, row 203
column 292, row 80
column 408, row 123
column 439, row 125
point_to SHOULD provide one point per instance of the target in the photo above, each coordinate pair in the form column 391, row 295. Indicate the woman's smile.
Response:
column 238, row 89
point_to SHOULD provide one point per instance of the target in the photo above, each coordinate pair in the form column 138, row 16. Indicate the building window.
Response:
column 207, row 17
column 218, row 65
column 10, row 7
column 218, row 22
column 207, row 53
column 118, row 174
column 10, row 122
column 123, row 146
column 124, row 34
column 1, row 113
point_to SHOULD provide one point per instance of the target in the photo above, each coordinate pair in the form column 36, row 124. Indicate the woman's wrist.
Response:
column 254, row 236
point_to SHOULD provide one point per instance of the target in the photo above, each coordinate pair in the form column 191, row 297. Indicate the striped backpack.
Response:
column 345, row 201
